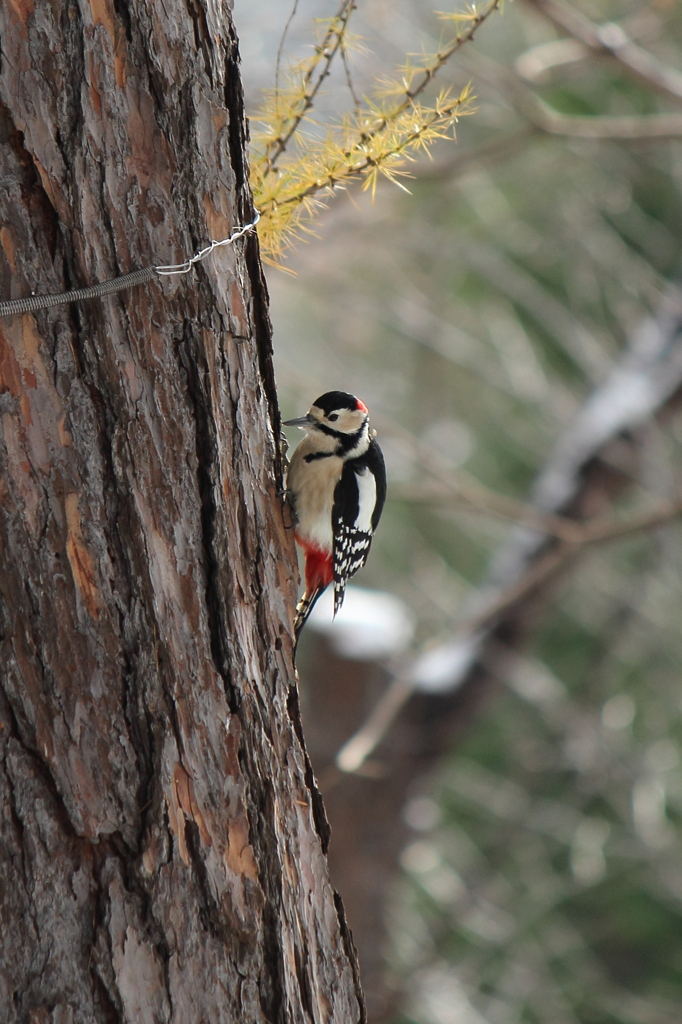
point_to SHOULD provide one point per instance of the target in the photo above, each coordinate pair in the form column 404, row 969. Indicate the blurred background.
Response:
column 495, row 718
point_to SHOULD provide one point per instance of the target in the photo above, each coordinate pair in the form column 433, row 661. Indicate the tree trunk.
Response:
column 162, row 842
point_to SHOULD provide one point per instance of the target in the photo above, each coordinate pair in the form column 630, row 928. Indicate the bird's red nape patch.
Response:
column 319, row 567
column 361, row 406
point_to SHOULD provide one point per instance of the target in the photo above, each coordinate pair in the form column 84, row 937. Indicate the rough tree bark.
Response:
column 162, row 843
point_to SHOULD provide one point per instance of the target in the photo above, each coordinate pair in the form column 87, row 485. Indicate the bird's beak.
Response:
column 300, row 421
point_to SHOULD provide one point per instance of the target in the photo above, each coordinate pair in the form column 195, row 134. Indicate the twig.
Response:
column 611, row 39
column 489, row 152
column 367, row 738
column 280, row 48
column 430, row 72
column 377, row 123
column 601, row 530
column 470, row 495
column 606, row 529
column 349, row 79
column 358, row 748
column 443, row 56
column 534, row 63
column 342, row 172
column 326, row 51
column 635, row 128
column 545, row 119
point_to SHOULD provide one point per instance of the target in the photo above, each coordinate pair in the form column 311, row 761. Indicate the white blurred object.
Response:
column 421, row 813
column 441, row 998
column 618, row 712
column 442, row 668
column 370, row 625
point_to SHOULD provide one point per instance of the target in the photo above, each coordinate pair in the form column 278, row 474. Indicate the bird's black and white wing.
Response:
column 358, row 501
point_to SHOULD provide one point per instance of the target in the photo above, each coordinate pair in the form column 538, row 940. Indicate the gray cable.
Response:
column 119, row 284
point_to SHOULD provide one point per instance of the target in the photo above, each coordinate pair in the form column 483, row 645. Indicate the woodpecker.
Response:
column 337, row 485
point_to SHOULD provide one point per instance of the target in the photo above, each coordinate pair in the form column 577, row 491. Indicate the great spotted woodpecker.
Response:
column 337, row 485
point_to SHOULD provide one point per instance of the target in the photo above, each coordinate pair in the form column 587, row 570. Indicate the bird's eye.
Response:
column 333, row 417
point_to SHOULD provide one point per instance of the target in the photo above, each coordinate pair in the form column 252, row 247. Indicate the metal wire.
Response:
column 119, row 284
column 184, row 268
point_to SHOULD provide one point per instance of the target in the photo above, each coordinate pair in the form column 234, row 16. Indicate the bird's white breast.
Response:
column 312, row 486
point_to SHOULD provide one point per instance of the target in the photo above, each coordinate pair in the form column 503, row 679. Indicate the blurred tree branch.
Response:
column 541, row 118
column 612, row 40
column 491, row 152
column 545, row 119
column 601, row 530
column 645, row 378
column 636, row 128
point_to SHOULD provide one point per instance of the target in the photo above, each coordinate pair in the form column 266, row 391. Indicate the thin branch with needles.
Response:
column 326, row 51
